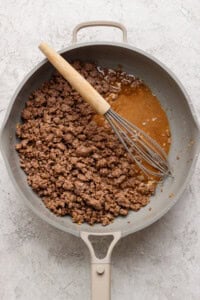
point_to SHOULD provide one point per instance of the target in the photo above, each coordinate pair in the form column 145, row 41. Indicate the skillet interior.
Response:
column 185, row 133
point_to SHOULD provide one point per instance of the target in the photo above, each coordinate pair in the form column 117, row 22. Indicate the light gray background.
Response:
column 40, row 262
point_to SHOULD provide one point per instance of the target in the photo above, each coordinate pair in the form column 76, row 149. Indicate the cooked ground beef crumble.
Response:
column 77, row 167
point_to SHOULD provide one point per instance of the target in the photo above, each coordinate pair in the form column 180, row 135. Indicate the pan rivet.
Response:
column 100, row 270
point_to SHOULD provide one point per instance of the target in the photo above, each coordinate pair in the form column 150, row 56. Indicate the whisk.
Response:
column 145, row 151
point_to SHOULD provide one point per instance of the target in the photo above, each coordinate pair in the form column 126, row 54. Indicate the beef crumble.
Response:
column 77, row 167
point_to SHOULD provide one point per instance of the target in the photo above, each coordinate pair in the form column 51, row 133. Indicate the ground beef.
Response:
column 77, row 167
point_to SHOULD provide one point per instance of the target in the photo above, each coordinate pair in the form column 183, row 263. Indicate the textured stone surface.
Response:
column 40, row 262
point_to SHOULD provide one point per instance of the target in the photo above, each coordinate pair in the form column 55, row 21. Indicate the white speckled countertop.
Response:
column 39, row 262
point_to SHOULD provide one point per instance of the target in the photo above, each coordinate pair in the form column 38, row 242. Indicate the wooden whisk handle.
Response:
column 76, row 80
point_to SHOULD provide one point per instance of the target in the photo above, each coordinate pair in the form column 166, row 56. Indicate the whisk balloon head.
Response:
column 145, row 151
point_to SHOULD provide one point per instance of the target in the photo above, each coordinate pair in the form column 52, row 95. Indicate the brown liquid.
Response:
column 143, row 109
column 140, row 107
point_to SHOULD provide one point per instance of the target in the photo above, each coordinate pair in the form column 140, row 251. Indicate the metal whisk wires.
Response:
column 145, row 151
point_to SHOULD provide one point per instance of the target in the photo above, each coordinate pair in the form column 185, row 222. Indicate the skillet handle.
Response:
column 99, row 23
column 100, row 281
column 100, row 268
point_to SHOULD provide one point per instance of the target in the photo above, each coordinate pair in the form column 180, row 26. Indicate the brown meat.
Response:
column 77, row 167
